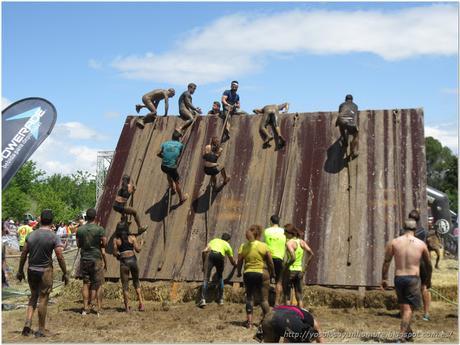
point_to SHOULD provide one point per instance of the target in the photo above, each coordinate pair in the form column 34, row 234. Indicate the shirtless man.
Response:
column 270, row 118
column 408, row 251
column 187, row 111
column 151, row 101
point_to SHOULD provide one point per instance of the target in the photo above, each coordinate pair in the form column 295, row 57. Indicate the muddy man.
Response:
column 270, row 118
column 151, row 101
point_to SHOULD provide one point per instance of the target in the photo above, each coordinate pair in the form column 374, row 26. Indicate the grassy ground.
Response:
column 172, row 316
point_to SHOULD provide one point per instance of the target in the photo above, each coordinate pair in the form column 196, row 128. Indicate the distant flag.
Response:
column 25, row 125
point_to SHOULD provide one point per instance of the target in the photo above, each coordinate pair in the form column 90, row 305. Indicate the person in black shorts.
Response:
column 39, row 247
column 211, row 154
column 270, row 118
column 123, row 194
column 408, row 252
column 294, row 324
column 347, row 120
column 125, row 247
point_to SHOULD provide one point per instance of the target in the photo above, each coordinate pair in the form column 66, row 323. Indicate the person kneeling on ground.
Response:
column 211, row 154
column 125, row 247
column 294, row 324
column 170, row 153
column 123, row 194
column 214, row 256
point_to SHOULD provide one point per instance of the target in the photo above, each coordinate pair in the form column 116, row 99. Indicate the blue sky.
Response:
column 94, row 61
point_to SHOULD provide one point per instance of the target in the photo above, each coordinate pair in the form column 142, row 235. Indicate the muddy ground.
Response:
column 172, row 316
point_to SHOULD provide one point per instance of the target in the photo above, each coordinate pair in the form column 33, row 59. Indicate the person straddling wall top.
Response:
column 187, row 111
column 231, row 106
column 214, row 256
column 151, row 101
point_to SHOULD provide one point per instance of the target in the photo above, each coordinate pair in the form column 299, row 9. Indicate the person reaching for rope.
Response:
column 123, row 194
column 211, row 154
column 170, row 153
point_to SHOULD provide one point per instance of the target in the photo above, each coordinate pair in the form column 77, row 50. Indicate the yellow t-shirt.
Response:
column 254, row 253
column 221, row 246
column 23, row 231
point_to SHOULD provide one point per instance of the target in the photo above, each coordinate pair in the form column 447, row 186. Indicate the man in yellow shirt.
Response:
column 276, row 241
column 23, row 231
column 214, row 256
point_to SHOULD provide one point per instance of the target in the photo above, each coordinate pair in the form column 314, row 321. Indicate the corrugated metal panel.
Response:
column 306, row 182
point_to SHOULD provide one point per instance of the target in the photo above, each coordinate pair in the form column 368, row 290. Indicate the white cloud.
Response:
column 94, row 64
column 239, row 44
column 64, row 152
column 5, row 102
column 78, row 131
column 447, row 134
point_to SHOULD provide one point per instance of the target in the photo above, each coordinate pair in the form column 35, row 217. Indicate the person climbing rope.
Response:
column 121, row 199
column 170, row 153
column 151, row 101
column 125, row 247
column 256, row 256
column 270, row 118
column 214, row 256
column 294, row 324
column 348, row 125
column 293, row 275
column 211, row 154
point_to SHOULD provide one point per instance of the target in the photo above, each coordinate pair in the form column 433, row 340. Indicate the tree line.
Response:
column 31, row 191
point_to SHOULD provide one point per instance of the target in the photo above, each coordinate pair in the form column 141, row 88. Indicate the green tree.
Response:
column 442, row 170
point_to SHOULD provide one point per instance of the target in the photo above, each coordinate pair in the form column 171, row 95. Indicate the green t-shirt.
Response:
column 221, row 246
column 254, row 253
column 297, row 265
column 89, row 239
column 276, row 241
column 23, row 232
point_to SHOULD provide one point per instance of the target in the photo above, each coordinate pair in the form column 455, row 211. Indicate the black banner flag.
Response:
column 25, row 124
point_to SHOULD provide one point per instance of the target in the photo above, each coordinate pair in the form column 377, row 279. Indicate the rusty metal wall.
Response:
column 348, row 213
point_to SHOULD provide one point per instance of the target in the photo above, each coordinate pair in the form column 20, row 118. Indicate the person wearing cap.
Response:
column 23, row 231
column 151, row 101
column 270, row 118
column 275, row 239
column 347, row 120
column 92, row 241
column 408, row 252
column 214, row 256
column 38, row 247
column 296, row 247
column 231, row 106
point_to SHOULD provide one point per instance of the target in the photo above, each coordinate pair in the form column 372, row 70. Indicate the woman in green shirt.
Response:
column 257, row 259
column 293, row 275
